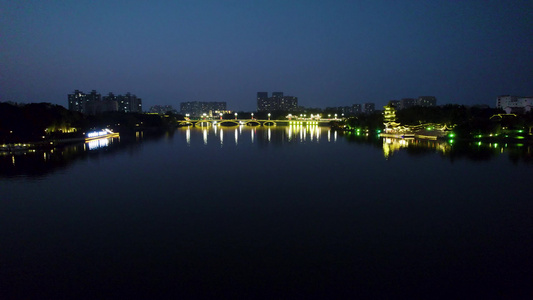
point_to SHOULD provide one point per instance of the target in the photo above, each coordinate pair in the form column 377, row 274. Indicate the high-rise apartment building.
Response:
column 129, row 103
column 370, row 107
column 93, row 103
column 77, row 101
column 277, row 94
column 356, row 109
column 407, row 102
column 426, row 101
column 276, row 102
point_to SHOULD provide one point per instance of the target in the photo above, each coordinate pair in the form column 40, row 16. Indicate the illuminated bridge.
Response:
column 253, row 122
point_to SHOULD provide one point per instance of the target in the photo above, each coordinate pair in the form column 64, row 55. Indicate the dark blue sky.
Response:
column 327, row 53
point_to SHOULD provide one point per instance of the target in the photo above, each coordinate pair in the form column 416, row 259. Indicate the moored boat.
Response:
column 104, row 133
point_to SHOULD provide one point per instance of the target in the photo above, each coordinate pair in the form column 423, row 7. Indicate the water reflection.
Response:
column 453, row 150
column 268, row 134
column 95, row 144
column 188, row 136
column 40, row 163
column 278, row 135
column 252, row 132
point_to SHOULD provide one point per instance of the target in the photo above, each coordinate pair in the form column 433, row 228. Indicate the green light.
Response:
column 379, row 131
column 520, row 137
column 451, row 135
column 520, row 131
column 451, row 141
column 479, row 143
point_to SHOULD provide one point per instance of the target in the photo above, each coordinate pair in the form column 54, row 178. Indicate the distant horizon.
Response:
column 326, row 54
column 177, row 105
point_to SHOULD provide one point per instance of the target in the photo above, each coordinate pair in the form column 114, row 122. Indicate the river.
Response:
column 267, row 212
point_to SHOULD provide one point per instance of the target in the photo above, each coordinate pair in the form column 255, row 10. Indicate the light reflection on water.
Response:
column 321, row 212
column 95, row 144
column 275, row 135
column 309, row 133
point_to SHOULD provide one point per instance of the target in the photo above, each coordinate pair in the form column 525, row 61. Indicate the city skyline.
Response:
column 327, row 54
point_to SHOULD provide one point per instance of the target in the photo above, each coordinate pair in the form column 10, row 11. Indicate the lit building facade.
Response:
column 514, row 104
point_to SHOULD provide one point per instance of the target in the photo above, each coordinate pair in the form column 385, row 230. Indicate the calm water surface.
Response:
column 282, row 212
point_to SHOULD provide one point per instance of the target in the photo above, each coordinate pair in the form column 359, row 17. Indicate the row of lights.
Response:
column 220, row 114
column 300, row 122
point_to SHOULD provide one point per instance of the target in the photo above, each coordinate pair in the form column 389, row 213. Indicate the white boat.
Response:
column 102, row 134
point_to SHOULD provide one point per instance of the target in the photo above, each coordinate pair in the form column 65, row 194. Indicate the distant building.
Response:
column 370, row 107
column 129, row 103
column 407, row 102
column 77, row 101
column 356, row 109
column 514, row 104
column 162, row 109
column 263, row 102
column 426, row 101
column 276, row 102
column 93, row 103
column 277, row 94
column 197, row 109
column 288, row 103
column 395, row 103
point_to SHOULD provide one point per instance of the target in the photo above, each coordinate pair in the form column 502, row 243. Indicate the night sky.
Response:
column 327, row 53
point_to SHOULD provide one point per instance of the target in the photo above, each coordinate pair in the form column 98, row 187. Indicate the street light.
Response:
column 269, row 116
column 335, row 116
column 252, row 116
column 235, row 116
column 204, row 116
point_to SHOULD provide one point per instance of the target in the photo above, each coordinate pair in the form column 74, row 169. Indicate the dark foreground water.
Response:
column 286, row 212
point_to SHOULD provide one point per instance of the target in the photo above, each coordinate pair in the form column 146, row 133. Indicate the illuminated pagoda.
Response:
column 389, row 117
